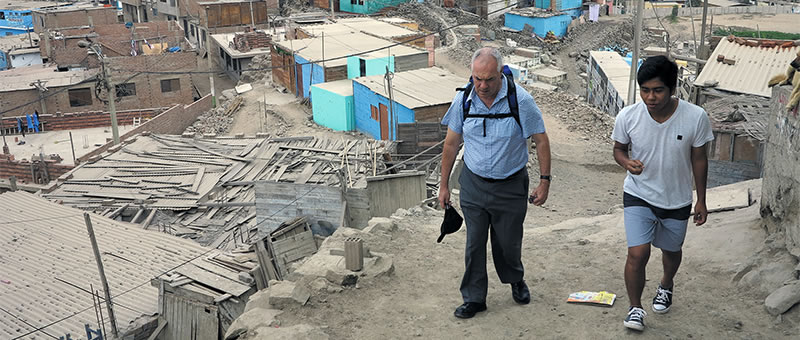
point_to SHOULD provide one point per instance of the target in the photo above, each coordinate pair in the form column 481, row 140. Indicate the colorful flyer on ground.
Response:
column 594, row 298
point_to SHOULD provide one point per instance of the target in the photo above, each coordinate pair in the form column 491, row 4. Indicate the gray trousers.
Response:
column 495, row 208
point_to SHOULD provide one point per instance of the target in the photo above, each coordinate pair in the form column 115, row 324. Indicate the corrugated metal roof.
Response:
column 616, row 69
column 43, row 245
column 362, row 24
column 753, row 68
column 418, row 88
column 342, row 87
column 22, row 77
column 343, row 45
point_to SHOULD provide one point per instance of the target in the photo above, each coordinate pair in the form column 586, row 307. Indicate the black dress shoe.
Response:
column 520, row 292
column 469, row 309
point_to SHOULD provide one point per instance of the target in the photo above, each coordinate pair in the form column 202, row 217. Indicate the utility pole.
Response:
column 112, row 97
column 209, row 64
column 333, row 16
column 701, row 52
column 40, row 85
column 102, row 273
column 637, row 38
column 252, row 21
column 393, row 126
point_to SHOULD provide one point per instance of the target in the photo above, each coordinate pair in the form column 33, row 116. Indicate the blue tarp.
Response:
column 30, row 123
column 35, row 122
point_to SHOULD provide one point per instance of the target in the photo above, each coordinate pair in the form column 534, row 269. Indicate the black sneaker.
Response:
column 635, row 318
column 469, row 309
column 662, row 301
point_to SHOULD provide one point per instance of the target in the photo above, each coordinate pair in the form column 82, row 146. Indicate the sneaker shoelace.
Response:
column 637, row 314
column 662, row 296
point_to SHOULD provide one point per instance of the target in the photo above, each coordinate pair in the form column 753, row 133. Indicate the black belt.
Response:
column 494, row 180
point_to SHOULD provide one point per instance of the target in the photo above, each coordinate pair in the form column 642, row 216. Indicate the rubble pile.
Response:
column 216, row 121
column 575, row 113
column 258, row 70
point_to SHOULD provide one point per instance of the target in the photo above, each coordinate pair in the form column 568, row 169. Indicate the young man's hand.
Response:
column 635, row 166
column 700, row 213
column 444, row 197
column 539, row 194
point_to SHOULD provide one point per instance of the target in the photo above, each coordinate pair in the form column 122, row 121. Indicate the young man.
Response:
column 494, row 180
column 667, row 141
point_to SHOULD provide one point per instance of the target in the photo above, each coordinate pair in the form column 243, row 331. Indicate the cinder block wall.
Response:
column 780, row 193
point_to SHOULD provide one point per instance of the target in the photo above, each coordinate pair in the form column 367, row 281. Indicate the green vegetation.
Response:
column 755, row 34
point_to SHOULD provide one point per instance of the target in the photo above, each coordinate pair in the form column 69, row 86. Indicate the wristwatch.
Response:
column 547, row 177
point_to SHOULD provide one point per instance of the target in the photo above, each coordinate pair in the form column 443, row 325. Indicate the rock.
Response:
column 258, row 300
column 342, row 278
column 319, row 284
column 401, row 212
column 783, row 298
column 245, row 277
column 380, row 224
column 286, row 293
column 296, row 332
column 228, row 94
column 251, row 320
column 574, row 54
column 545, row 58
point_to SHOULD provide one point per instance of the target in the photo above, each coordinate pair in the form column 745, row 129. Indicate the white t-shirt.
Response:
column 664, row 150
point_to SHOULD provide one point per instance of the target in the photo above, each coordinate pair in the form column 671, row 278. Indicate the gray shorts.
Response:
column 642, row 226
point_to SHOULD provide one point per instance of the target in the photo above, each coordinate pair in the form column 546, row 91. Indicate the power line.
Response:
column 403, row 42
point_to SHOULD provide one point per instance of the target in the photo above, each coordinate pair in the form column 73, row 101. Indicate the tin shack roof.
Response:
column 418, row 88
column 342, row 87
column 615, row 68
column 342, row 45
column 362, row 24
column 754, row 63
column 22, row 77
column 47, row 266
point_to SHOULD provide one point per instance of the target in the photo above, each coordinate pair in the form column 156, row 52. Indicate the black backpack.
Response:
column 511, row 96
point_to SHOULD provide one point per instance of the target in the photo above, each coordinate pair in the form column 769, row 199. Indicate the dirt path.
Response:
column 579, row 254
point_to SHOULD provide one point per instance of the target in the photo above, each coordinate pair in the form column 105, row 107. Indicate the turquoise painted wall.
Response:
column 367, row 6
column 332, row 110
column 374, row 66
column 364, row 99
column 307, row 70
column 558, row 24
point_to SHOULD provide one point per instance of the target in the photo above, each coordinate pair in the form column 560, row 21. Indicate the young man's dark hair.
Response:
column 659, row 67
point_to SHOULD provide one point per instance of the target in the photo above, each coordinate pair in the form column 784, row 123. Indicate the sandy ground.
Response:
column 57, row 142
column 787, row 23
column 560, row 258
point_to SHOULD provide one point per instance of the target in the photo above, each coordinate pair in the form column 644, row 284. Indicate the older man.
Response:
column 494, row 180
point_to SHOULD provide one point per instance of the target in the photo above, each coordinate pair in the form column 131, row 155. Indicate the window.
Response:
column 126, row 90
column 361, row 2
column 374, row 110
column 173, row 3
column 353, row 2
column 80, row 97
column 221, row 53
column 362, row 67
column 8, row 33
column 2, row 15
column 164, row 1
column 170, row 85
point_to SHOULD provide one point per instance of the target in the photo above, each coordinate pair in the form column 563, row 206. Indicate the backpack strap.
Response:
column 511, row 97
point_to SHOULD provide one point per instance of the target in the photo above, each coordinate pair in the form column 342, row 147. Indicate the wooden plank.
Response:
column 212, row 280
column 198, row 178
column 161, row 325
column 265, row 262
column 280, row 172
column 219, row 270
column 307, row 172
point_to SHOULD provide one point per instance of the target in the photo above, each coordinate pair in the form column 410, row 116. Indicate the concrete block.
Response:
column 783, row 298
column 380, row 224
column 300, row 332
column 239, row 135
column 286, row 293
column 258, row 300
column 188, row 135
column 342, row 278
column 209, row 135
column 251, row 320
column 262, row 135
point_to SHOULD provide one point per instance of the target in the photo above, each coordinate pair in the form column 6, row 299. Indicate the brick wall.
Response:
column 22, row 170
column 148, row 86
column 244, row 42
column 78, row 17
column 83, row 120
column 170, row 122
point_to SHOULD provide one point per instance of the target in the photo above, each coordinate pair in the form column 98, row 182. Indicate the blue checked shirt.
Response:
column 502, row 152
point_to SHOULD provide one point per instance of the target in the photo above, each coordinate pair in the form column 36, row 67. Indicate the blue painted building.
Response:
column 358, row 66
column 15, row 21
column 421, row 95
column 542, row 21
column 333, row 105
column 367, row 6
column 561, row 5
column 308, row 73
